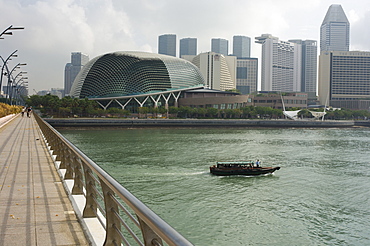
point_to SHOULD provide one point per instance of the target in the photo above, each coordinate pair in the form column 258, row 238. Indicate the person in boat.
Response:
column 258, row 163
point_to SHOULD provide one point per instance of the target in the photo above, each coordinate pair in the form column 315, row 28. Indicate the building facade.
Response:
column 344, row 79
column 247, row 75
column 334, row 30
column 206, row 98
column 78, row 60
column 220, row 46
column 308, row 65
column 188, row 46
column 281, row 64
column 219, row 71
column 241, row 46
column 167, row 44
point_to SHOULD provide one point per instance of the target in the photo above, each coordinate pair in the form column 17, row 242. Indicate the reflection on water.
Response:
column 320, row 196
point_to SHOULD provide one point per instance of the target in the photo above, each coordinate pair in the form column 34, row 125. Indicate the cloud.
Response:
column 55, row 28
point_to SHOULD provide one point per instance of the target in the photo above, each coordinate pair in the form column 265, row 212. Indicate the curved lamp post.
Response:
column 5, row 66
column 8, row 91
column 7, row 30
column 20, row 88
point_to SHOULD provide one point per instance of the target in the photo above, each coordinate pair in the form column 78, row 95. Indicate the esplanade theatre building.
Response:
column 136, row 79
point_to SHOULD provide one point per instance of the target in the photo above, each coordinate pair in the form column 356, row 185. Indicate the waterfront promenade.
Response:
column 34, row 207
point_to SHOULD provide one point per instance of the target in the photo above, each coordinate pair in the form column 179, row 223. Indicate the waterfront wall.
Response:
column 104, row 122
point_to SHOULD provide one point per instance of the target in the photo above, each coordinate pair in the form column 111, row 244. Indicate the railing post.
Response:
column 78, row 178
column 150, row 237
column 67, row 161
column 90, row 209
column 113, row 225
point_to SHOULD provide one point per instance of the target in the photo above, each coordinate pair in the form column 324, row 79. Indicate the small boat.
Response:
column 246, row 168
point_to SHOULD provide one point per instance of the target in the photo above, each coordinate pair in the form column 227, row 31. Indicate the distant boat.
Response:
column 246, row 168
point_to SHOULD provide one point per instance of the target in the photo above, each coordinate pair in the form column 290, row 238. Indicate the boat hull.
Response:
column 250, row 171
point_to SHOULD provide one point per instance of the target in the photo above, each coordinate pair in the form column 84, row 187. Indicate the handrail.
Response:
column 103, row 191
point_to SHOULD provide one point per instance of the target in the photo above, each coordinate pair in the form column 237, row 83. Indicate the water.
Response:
column 320, row 196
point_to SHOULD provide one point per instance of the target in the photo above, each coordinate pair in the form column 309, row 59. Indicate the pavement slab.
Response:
column 34, row 206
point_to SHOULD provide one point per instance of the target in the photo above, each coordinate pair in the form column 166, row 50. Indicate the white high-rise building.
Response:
column 334, row 30
column 309, row 65
column 219, row 71
column 281, row 64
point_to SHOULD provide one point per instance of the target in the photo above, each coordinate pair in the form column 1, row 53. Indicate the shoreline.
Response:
column 140, row 123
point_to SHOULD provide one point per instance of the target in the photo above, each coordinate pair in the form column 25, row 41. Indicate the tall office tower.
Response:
column 188, row 46
column 281, row 64
column 334, row 30
column 344, row 79
column 308, row 65
column 242, row 46
column 78, row 60
column 219, row 71
column 167, row 44
column 246, row 75
column 220, row 46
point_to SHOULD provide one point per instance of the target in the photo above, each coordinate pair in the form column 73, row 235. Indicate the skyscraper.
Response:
column 167, row 44
column 308, row 65
column 344, row 79
column 334, row 31
column 281, row 64
column 242, row 46
column 78, row 60
column 246, row 75
column 220, row 46
column 188, row 46
column 219, row 71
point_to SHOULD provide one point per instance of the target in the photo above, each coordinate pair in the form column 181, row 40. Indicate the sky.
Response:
column 56, row 28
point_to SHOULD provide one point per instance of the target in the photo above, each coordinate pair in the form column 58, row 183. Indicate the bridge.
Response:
column 52, row 194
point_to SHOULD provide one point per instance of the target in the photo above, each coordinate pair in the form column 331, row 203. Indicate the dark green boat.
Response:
column 245, row 168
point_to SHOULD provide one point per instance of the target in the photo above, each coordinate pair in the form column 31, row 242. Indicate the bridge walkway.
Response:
column 34, row 207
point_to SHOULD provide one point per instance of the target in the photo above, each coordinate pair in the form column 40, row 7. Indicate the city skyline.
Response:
column 54, row 29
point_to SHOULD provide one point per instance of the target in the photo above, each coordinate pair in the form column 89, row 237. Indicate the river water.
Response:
column 320, row 196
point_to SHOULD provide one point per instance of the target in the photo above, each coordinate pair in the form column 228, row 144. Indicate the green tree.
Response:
column 173, row 111
column 212, row 112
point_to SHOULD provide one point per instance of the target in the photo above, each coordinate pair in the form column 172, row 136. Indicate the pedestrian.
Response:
column 29, row 110
column 258, row 163
column 23, row 110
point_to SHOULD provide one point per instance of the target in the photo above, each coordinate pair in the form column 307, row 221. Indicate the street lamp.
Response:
column 6, row 31
column 9, row 78
column 15, row 89
column 5, row 66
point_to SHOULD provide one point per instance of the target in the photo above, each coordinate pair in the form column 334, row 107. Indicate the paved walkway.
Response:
column 34, row 207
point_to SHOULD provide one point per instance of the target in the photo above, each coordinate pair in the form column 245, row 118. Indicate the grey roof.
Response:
column 335, row 14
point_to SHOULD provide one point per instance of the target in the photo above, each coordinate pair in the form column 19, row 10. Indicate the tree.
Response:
column 143, row 110
column 304, row 113
column 173, row 110
column 212, row 112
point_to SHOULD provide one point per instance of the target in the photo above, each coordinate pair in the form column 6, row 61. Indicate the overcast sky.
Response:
column 55, row 28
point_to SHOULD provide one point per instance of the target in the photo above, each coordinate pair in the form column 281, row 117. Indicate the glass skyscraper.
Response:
column 334, row 31
column 167, row 44
column 188, row 46
column 220, row 46
column 242, row 46
column 78, row 60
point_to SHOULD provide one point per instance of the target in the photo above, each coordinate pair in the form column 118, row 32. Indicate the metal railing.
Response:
column 125, row 218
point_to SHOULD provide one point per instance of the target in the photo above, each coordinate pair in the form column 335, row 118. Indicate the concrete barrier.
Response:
column 106, row 122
